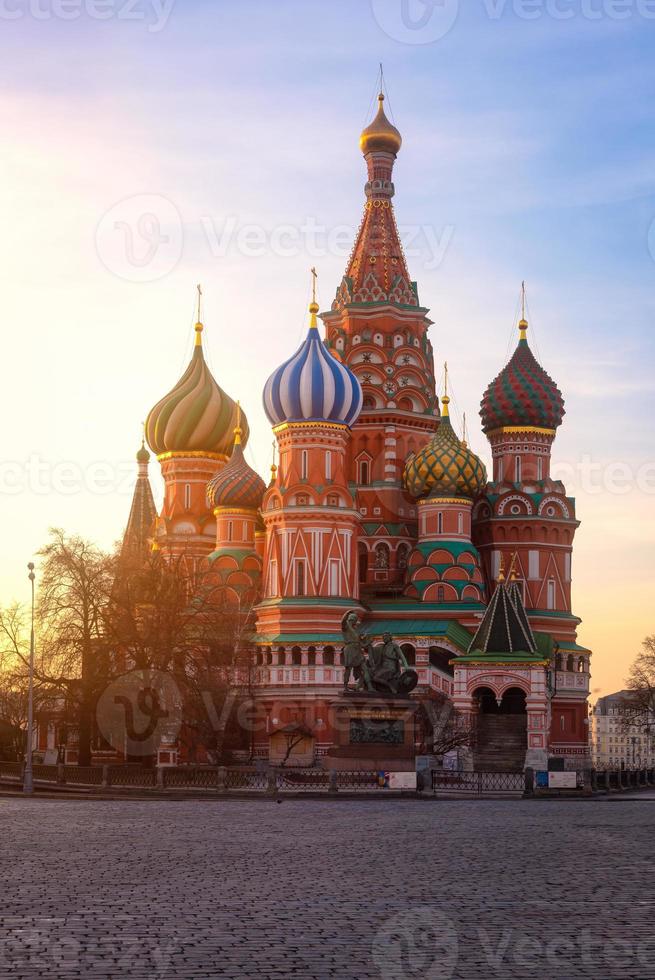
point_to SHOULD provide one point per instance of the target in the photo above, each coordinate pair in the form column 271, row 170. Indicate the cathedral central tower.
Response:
column 379, row 329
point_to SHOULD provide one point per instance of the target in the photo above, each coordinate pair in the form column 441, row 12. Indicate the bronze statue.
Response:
column 354, row 660
column 379, row 669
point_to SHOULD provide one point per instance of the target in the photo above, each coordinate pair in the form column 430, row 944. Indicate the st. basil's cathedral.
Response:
column 378, row 507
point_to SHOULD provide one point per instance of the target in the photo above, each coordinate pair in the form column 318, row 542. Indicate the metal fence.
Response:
column 477, row 783
column 264, row 780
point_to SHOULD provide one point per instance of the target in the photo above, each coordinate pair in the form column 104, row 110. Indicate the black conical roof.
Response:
column 503, row 629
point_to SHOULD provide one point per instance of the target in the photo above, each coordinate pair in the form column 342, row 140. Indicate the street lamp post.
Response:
column 28, row 781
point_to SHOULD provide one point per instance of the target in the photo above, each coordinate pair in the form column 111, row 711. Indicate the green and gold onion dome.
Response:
column 380, row 135
column 446, row 467
column 196, row 416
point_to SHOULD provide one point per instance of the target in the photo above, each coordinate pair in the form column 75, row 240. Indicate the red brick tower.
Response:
column 309, row 510
column 526, row 518
column 377, row 327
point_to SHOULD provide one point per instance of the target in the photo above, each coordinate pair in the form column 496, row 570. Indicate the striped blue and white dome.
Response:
column 312, row 386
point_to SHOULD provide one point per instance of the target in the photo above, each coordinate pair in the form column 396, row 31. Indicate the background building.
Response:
column 617, row 742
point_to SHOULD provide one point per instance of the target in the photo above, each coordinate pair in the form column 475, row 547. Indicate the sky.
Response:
column 149, row 145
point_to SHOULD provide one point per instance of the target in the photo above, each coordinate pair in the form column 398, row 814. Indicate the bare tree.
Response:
column 638, row 705
column 444, row 728
column 168, row 617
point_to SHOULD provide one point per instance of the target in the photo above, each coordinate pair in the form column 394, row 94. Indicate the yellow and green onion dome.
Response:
column 446, row 467
column 237, row 484
column 523, row 394
column 196, row 416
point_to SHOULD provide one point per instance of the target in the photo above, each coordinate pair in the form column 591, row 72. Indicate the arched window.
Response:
column 517, row 476
column 410, row 654
column 551, row 594
column 569, row 662
column 304, row 464
column 440, row 523
column 581, row 665
column 362, row 556
column 230, row 530
column 328, row 656
column 311, row 656
column 296, row 656
column 364, row 475
column 187, row 496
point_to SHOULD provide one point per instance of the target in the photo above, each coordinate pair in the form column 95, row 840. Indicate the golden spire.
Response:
column 464, row 433
column 501, row 568
column 238, row 431
column 199, row 327
column 445, row 401
column 523, row 323
column 512, row 571
column 313, row 306
column 273, row 466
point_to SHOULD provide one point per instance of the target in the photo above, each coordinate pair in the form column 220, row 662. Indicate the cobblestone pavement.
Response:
column 320, row 889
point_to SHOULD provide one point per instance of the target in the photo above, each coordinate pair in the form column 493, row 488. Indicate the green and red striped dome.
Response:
column 237, row 484
column 522, row 394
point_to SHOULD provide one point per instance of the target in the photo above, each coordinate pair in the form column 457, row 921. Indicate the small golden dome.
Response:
column 381, row 135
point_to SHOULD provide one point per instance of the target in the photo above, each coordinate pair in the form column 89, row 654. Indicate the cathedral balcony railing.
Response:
column 571, row 681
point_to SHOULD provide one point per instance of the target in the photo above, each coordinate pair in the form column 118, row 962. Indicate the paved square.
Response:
column 319, row 889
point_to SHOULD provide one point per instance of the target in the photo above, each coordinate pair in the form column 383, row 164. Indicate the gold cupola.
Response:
column 380, row 136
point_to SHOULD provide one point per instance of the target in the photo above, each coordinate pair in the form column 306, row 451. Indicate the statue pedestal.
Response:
column 372, row 732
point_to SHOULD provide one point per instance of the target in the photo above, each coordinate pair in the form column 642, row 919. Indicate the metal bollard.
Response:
column 529, row 781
